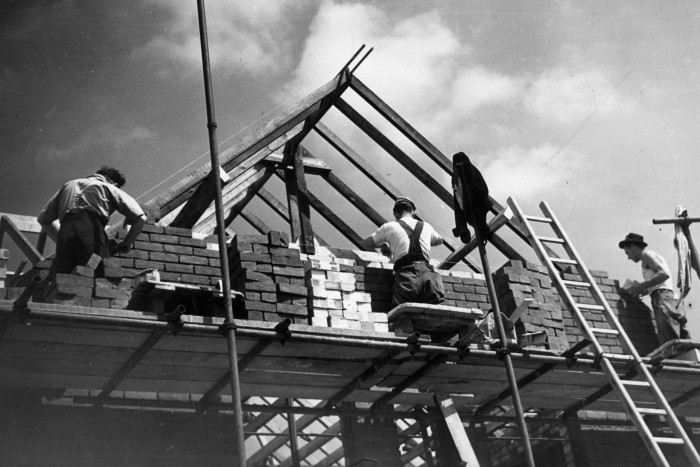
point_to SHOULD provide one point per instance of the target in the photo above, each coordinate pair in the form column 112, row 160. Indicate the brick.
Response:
column 178, row 231
column 104, row 292
column 195, row 279
column 181, row 268
column 260, row 306
column 253, row 276
column 208, row 271
column 84, row 271
column 148, row 246
column 261, row 286
column 296, row 310
column 292, row 289
column 163, row 238
column 164, row 257
column 195, row 242
column 135, row 254
column 287, row 271
column 178, row 249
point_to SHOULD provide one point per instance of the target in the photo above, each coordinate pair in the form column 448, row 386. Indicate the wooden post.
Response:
column 298, row 200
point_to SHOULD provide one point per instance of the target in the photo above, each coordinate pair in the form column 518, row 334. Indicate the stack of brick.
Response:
column 465, row 289
column 348, row 289
column 517, row 281
column 271, row 276
column 175, row 253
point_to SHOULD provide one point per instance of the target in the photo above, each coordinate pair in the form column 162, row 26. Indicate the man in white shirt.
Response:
column 76, row 216
column 657, row 283
column 409, row 241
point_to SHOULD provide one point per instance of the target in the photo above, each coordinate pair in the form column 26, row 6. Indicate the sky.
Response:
column 591, row 106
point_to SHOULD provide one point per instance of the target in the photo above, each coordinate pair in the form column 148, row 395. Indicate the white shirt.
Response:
column 399, row 242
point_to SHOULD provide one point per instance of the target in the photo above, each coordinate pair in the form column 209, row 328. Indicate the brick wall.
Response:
column 334, row 287
column 517, row 280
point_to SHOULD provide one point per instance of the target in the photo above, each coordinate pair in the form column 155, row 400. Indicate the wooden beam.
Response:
column 314, row 444
column 276, row 128
column 281, row 210
column 242, row 189
column 22, row 242
column 26, row 224
column 495, row 224
column 257, row 223
column 312, row 165
column 409, row 164
column 400, row 124
column 298, row 200
column 456, row 429
column 354, row 198
column 366, row 168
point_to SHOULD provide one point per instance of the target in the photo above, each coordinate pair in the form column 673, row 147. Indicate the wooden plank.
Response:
column 400, row 124
column 8, row 226
column 252, row 143
column 354, row 198
column 281, row 210
column 235, row 200
column 298, row 200
column 334, row 220
column 257, row 223
column 26, row 224
column 456, row 429
column 393, row 192
column 312, row 165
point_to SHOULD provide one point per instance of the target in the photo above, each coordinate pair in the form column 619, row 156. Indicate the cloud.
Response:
column 104, row 136
column 529, row 172
column 568, row 96
column 251, row 36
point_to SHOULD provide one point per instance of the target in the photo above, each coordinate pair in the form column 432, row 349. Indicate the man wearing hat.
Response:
column 657, row 282
column 409, row 241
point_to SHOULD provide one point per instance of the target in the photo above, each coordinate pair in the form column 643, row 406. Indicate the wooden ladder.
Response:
column 625, row 388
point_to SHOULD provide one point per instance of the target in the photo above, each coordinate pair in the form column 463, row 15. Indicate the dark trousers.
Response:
column 81, row 235
column 417, row 282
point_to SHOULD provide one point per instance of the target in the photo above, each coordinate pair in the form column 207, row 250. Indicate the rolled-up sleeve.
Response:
column 126, row 205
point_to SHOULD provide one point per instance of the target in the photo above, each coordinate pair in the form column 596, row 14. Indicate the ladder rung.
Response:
column 651, row 411
column 576, row 283
column 551, row 240
column 590, row 307
column 629, row 382
column 539, row 219
column 563, row 260
column 677, row 441
column 612, row 332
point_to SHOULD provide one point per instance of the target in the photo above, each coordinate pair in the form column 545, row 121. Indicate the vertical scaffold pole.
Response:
column 229, row 328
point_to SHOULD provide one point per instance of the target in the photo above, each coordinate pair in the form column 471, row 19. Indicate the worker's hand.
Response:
column 118, row 247
column 636, row 290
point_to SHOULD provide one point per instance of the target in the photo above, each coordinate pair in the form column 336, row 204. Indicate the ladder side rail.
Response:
column 556, row 279
column 609, row 314
column 671, row 418
column 637, row 419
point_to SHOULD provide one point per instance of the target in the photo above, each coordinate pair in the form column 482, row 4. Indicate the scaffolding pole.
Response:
column 229, row 327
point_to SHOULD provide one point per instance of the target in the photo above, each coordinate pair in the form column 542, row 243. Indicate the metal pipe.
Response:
column 239, row 438
column 505, row 351
column 294, row 446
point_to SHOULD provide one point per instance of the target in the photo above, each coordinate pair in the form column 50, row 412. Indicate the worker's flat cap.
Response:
column 404, row 200
column 632, row 239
